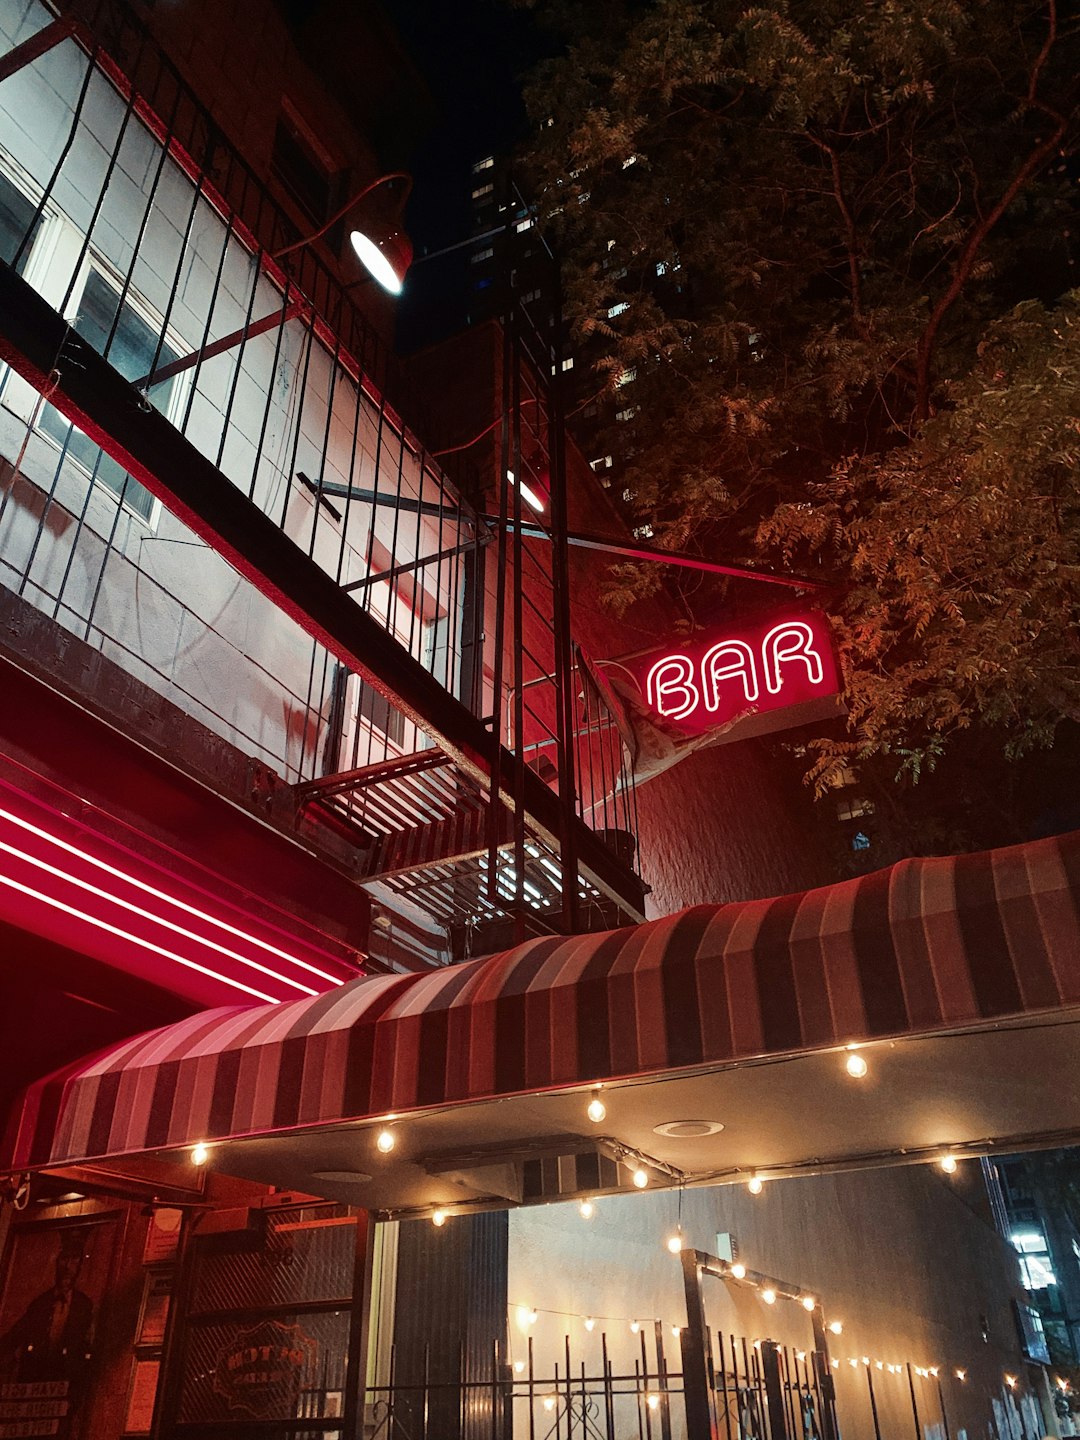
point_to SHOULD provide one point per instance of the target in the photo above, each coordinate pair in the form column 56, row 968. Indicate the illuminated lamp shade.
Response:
column 386, row 257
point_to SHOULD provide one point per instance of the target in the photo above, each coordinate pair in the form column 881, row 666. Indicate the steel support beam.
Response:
column 37, row 342
column 37, row 45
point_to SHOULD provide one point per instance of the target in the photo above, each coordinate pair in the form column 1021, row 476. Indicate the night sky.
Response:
column 472, row 53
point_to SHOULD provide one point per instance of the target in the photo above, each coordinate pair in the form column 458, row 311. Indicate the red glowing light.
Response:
column 774, row 666
column 101, row 900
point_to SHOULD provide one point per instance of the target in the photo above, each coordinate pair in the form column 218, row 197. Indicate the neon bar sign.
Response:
column 772, row 666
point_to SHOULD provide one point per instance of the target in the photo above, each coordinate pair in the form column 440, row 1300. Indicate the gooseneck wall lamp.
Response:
column 381, row 243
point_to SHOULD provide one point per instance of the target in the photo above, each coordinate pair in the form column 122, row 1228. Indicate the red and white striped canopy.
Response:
column 928, row 945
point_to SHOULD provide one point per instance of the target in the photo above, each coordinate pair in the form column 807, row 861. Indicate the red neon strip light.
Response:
column 133, row 939
column 70, row 879
column 148, row 889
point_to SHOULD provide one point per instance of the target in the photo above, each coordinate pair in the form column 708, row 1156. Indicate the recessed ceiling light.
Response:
column 342, row 1177
column 688, row 1129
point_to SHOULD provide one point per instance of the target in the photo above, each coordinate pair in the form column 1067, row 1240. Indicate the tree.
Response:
column 821, row 252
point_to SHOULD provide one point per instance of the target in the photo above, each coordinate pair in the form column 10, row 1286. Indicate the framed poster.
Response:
column 141, row 1397
column 157, row 1294
column 56, row 1280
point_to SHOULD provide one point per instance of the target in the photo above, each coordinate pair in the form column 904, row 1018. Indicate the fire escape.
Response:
column 414, row 630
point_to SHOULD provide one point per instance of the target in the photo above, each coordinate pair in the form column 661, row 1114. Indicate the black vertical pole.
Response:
column 873, row 1400
column 564, row 659
column 774, row 1390
column 826, row 1385
column 944, row 1417
column 914, row 1405
column 700, row 1417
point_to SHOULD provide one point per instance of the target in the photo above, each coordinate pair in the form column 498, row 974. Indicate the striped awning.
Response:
column 926, row 946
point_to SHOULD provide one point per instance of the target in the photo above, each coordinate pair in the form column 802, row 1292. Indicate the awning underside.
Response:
column 731, row 1014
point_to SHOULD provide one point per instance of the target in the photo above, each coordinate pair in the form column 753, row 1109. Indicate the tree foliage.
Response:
column 821, row 254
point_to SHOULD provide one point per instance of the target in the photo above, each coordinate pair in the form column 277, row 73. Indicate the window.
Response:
column 132, row 352
column 617, row 309
column 482, row 255
column 568, row 363
column 627, row 377
column 603, row 462
column 627, row 414
column 380, row 714
column 301, row 170
column 16, row 213
column 1036, row 1267
column 485, row 164
column 483, row 190
column 523, row 225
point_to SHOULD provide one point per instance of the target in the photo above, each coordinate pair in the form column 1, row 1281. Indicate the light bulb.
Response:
column 856, row 1066
column 808, row 1303
column 879, row 1365
column 532, row 1317
column 635, row 1326
column 200, row 1154
column 385, row 1141
column 866, row 1361
column 739, row 1270
column 652, row 1401
column 590, row 1324
column 641, row 1178
column 769, row 1296
column 1010, row 1380
column 1062, row 1384
column 853, row 1363
column 674, row 1244
column 519, row 1366
column 800, row 1355
column 948, row 1164
column 961, row 1375
column 597, row 1109
column 755, row 1184
column 587, row 1209
column 439, row 1217
column 676, row 1331
column 836, row 1326
column 549, row 1402
column 835, row 1364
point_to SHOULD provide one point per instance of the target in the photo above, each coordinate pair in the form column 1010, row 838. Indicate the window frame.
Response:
column 48, row 267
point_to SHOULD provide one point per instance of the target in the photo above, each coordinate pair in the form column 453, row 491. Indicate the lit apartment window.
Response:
column 568, row 363
column 485, row 164
column 643, row 532
column 618, row 309
column 482, row 190
column 628, row 376
column 627, row 414
column 525, row 224
column 482, row 255
column 603, row 462
column 1036, row 1267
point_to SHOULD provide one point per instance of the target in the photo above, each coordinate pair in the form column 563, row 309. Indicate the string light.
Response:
column 961, row 1375
column 549, row 1402
column 597, row 1110
column 856, row 1066
column 836, row 1326
column 641, row 1178
column 835, row 1364
column 519, row 1366
column 587, row 1209
column 652, row 1401
column 635, row 1326
column 866, row 1361
column 808, row 1303
column 590, row 1323
column 769, row 1296
column 853, row 1362
column 739, row 1270
column 439, row 1218
column 755, row 1184
column 800, row 1355
column 879, row 1365
column 674, row 1244
column 1062, row 1384
column 200, row 1154
column 385, row 1141
column 934, row 1370
column 948, row 1164
column 1010, row 1381
column 676, row 1331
